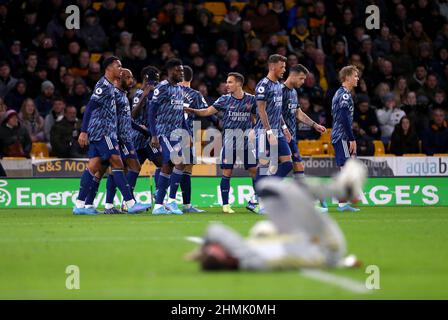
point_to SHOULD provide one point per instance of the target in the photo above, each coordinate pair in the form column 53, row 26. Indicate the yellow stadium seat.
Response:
column 289, row 4
column 39, row 149
column 440, row 155
column 379, row 148
column 97, row 5
column 217, row 8
column 326, row 136
column 327, row 147
column 414, row 155
column 323, row 155
column 218, row 19
column 387, row 155
column 95, row 57
column 120, row 5
column 239, row 5
column 310, row 147
column 14, row 158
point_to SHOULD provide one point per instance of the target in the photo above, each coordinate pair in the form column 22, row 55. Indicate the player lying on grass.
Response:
column 239, row 110
column 99, row 130
column 296, row 234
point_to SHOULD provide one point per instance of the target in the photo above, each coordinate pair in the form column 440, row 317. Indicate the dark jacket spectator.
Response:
column 64, row 136
column 435, row 139
column 404, row 138
column 7, row 82
column 14, row 139
column 264, row 22
column 44, row 100
column 364, row 143
column 366, row 118
column 92, row 33
column 15, row 98
column 56, row 114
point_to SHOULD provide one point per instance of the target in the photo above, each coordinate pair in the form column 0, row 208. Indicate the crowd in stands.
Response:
column 47, row 71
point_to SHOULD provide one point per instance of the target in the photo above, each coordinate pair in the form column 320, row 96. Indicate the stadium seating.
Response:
column 326, row 136
column 218, row 9
column 39, row 150
column 239, row 5
column 97, row 5
column 379, row 148
column 310, row 147
column 414, row 155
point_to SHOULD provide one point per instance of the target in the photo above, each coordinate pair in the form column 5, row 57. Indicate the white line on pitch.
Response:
column 339, row 281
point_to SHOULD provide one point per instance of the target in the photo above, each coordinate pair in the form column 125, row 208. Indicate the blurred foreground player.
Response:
column 296, row 235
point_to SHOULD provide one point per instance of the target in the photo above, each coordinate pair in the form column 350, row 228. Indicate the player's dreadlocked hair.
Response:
column 152, row 73
column 172, row 63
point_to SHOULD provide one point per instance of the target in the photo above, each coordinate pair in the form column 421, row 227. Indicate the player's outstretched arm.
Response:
column 201, row 112
column 302, row 117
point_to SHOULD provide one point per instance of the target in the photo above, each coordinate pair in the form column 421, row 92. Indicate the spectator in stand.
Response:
column 16, row 58
column 439, row 100
column 3, row 108
column 56, row 114
column 264, row 22
column 435, row 139
column 414, row 39
column 430, row 87
column 298, row 35
column 81, row 68
column 44, row 100
column 79, row 98
column 7, row 82
column 304, row 131
column 16, row 96
column 64, row 136
column 400, row 90
column 231, row 27
column 93, row 33
column 32, row 121
column 366, row 117
column 14, row 138
column 401, row 61
column 404, row 139
column 388, row 117
column 123, row 49
column 364, row 142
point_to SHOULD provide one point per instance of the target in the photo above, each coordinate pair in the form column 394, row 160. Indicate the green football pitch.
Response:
column 141, row 257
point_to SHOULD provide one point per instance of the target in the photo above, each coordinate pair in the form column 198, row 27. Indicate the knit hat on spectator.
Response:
column 388, row 97
column 361, row 98
column 46, row 85
column 422, row 100
column 301, row 22
column 8, row 114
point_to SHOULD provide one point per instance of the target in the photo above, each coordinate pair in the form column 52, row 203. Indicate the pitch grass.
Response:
column 141, row 256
